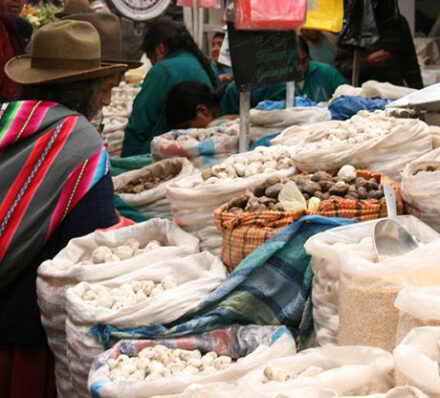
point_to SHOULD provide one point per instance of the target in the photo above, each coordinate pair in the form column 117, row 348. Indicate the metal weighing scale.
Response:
column 139, row 10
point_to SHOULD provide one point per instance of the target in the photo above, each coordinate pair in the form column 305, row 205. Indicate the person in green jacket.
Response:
column 175, row 58
column 320, row 82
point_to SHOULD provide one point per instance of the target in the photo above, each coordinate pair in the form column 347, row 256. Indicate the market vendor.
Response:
column 320, row 82
column 224, row 73
column 55, row 185
column 175, row 58
column 192, row 104
column 393, row 57
column 15, row 32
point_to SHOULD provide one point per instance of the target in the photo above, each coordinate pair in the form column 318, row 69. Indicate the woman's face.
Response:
column 216, row 46
column 105, row 87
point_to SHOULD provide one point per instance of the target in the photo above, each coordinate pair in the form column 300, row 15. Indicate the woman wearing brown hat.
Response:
column 54, row 186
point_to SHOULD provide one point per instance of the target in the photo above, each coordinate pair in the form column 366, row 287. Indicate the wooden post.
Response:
column 290, row 94
column 245, row 106
column 356, row 69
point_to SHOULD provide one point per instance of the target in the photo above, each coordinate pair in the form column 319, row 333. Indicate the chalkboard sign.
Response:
column 263, row 58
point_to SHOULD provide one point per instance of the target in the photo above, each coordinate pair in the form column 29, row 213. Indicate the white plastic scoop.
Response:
column 391, row 238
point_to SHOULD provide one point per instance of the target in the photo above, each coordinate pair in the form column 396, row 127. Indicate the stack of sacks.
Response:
column 159, row 293
column 72, row 265
column 195, row 199
column 145, row 188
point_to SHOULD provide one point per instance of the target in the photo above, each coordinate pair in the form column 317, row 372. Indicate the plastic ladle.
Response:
column 391, row 238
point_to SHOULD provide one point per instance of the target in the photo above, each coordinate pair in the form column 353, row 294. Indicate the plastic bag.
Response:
column 328, row 16
column 368, row 290
column 417, row 360
column 63, row 271
column 344, row 107
column 418, row 306
column 257, row 344
column 153, row 202
column 347, row 370
column 196, row 275
column 420, row 188
column 270, row 14
column 325, row 249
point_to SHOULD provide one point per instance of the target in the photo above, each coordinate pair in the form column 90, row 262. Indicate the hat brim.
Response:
column 20, row 71
column 130, row 63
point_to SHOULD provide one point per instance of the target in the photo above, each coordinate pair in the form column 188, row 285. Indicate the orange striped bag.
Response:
column 244, row 233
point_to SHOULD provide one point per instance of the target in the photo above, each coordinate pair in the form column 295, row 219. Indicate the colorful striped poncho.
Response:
column 50, row 157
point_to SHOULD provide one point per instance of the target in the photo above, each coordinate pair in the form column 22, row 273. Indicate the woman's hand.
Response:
column 379, row 58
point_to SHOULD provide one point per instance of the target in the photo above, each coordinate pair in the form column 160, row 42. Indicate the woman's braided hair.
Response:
column 175, row 37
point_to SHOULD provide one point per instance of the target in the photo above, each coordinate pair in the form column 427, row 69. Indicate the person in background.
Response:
column 393, row 58
column 175, row 58
column 320, row 82
column 193, row 104
column 224, row 73
column 75, row 7
column 15, row 32
column 322, row 45
column 55, row 186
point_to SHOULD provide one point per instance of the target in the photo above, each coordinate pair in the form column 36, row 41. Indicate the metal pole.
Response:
column 355, row 73
column 201, row 23
column 290, row 94
column 245, row 106
column 195, row 19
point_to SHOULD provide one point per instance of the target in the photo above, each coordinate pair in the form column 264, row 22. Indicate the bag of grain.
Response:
column 325, row 249
column 421, row 186
column 228, row 354
column 195, row 199
column 158, row 293
column 347, row 370
column 368, row 290
column 418, row 306
column 417, row 360
column 368, row 140
column 145, row 188
column 71, row 266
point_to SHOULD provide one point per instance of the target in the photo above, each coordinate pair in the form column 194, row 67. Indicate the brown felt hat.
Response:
column 75, row 7
column 62, row 51
column 109, row 29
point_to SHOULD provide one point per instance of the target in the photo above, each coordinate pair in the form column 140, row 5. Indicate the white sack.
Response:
column 325, row 249
column 347, row 370
column 385, row 90
column 368, row 290
column 421, row 190
column 417, row 360
column 153, row 202
column 63, row 271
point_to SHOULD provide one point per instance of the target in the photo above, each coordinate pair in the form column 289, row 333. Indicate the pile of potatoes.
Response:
column 199, row 135
column 146, row 182
column 272, row 373
column 154, row 363
column 313, row 187
column 105, row 254
column 246, row 166
column 128, row 294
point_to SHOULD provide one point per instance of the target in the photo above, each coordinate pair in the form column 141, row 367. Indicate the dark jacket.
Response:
column 402, row 69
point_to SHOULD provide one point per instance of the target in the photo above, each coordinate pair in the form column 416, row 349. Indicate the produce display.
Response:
column 283, row 194
column 153, row 363
column 145, row 182
column 247, row 166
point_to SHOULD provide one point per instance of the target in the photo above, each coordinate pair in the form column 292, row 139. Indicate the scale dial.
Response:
column 140, row 10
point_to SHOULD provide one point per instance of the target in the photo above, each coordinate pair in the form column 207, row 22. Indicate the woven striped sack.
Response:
column 243, row 234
